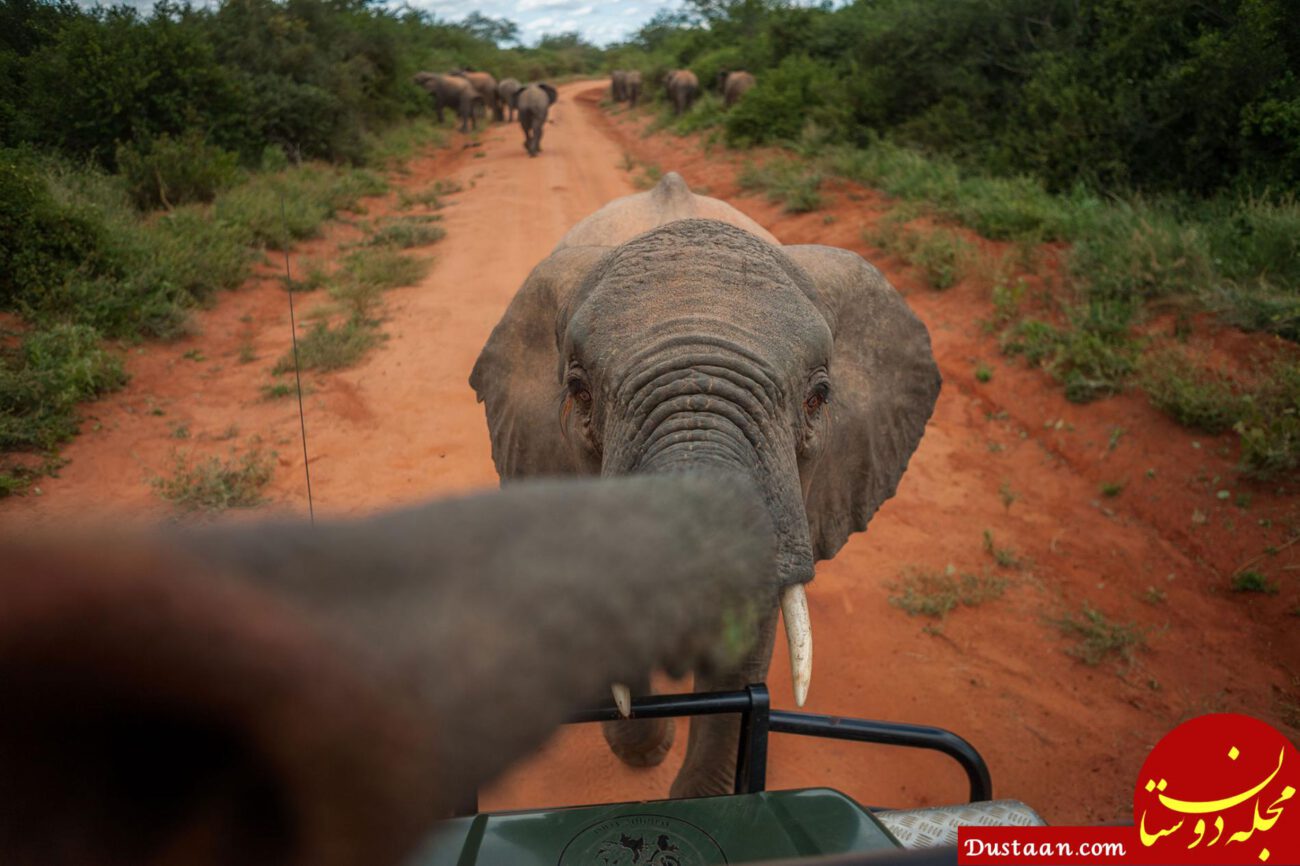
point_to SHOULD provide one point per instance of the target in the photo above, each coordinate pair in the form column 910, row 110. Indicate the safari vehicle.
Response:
column 750, row 825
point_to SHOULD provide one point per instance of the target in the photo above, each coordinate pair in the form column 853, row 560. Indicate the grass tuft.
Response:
column 786, row 181
column 936, row 594
column 1254, row 581
column 1098, row 638
column 215, row 484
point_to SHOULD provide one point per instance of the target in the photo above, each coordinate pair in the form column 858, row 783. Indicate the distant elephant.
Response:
column 669, row 333
column 506, row 91
column 322, row 696
column 486, row 86
column 533, row 103
column 735, row 85
column 682, row 87
column 632, row 83
column 618, row 85
column 449, row 91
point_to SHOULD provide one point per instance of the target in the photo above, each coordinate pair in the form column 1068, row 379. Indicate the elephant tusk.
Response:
column 623, row 698
column 798, row 632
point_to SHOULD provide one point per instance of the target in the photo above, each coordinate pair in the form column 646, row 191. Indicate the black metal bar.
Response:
column 751, row 762
column 665, row 706
column 806, row 724
column 892, row 734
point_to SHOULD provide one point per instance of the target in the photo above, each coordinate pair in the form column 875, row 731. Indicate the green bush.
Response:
column 1270, row 425
column 43, row 380
column 785, row 181
column 1192, row 396
column 215, row 484
column 798, row 91
column 170, row 171
column 1092, row 356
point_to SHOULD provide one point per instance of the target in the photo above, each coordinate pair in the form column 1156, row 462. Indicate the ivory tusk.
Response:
column 798, row 632
column 623, row 698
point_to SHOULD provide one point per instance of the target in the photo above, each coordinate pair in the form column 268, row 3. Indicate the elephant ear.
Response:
column 551, row 93
column 884, row 386
column 518, row 374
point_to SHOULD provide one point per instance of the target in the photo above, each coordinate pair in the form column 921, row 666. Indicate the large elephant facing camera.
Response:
column 669, row 333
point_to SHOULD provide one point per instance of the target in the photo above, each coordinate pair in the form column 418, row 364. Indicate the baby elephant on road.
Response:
column 533, row 102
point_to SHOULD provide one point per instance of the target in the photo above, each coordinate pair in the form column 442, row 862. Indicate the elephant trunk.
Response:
column 707, row 410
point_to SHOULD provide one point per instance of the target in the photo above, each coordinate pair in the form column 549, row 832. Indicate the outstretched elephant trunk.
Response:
column 322, row 696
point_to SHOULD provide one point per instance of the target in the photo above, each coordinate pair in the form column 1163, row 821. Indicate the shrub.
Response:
column 43, row 380
column 1092, row 356
column 215, row 484
column 1097, row 637
column 784, row 180
column 173, row 171
column 1270, row 424
column 1192, row 396
column 325, row 348
column 784, row 99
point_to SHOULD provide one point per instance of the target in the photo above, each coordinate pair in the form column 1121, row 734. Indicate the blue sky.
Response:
column 598, row 22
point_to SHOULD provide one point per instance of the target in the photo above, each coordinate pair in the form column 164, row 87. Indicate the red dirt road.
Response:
column 1010, row 456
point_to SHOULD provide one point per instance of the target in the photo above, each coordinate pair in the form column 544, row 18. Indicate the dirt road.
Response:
column 1007, row 456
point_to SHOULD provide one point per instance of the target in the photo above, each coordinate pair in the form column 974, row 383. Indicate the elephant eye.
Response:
column 818, row 397
column 579, row 391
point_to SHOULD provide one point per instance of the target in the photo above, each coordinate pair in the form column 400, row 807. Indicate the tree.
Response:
column 498, row 31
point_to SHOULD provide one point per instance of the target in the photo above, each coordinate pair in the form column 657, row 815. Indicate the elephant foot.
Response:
column 640, row 743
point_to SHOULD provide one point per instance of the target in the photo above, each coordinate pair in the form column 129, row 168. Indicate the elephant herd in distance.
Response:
column 681, row 87
column 467, row 92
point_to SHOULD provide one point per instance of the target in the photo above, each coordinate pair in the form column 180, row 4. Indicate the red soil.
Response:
column 1010, row 455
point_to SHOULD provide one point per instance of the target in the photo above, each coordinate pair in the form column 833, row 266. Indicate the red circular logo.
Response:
column 1221, row 788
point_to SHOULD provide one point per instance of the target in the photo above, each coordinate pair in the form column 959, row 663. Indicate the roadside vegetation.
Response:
column 148, row 159
column 1153, row 148
column 216, row 484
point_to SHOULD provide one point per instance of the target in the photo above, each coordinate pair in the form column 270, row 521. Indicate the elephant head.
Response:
column 668, row 333
column 321, row 696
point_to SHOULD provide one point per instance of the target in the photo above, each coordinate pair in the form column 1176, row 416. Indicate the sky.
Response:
column 599, row 22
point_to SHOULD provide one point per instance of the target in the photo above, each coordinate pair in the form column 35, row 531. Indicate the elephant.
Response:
column 451, row 92
column 486, row 87
column 323, row 696
column 633, row 85
column 506, row 91
column 533, row 103
column 618, row 85
column 682, row 87
column 669, row 333
column 735, row 85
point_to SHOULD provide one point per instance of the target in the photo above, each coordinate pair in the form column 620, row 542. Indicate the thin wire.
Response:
column 297, row 372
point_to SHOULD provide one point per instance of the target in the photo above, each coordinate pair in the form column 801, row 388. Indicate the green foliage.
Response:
column 796, row 92
column 1253, row 581
column 215, row 484
column 1191, row 395
column 43, row 380
column 1097, row 637
column 786, row 181
column 1093, row 355
column 328, row 348
column 169, row 172
column 1270, row 425
column 936, row 594
column 406, row 233
column 274, row 210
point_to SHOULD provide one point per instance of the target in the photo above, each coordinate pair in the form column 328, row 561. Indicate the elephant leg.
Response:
column 710, row 765
column 640, row 743
column 537, row 139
